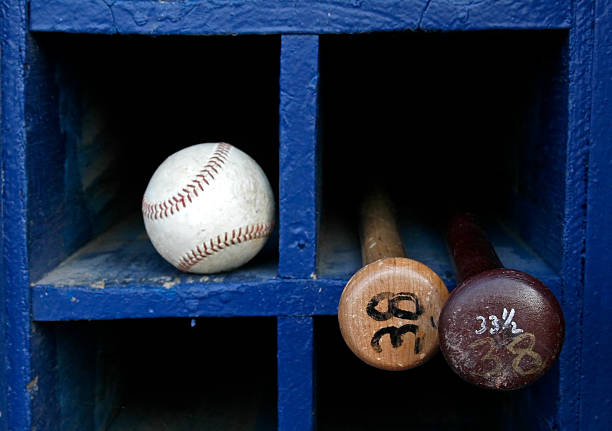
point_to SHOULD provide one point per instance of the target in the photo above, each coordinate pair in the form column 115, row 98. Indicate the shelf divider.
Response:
column 299, row 77
column 296, row 407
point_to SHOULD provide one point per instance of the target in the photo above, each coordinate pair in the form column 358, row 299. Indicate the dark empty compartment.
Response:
column 444, row 120
column 171, row 374
column 355, row 396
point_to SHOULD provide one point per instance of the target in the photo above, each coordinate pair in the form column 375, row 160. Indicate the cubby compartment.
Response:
column 171, row 374
column 104, row 112
column 474, row 121
column 442, row 121
column 355, row 396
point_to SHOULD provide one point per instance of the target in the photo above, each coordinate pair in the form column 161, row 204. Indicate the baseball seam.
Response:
column 168, row 207
column 221, row 242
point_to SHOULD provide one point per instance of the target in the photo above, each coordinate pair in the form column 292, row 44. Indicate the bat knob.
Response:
column 501, row 329
column 388, row 313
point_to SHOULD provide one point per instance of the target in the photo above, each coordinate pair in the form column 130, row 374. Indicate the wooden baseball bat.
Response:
column 389, row 310
column 500, row 328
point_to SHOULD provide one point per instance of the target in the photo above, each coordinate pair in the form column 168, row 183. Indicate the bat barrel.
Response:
column 471, row 250
column 500, row 329
column 389, row 309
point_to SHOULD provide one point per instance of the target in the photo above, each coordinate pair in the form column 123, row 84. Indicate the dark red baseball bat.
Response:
column 500, row 328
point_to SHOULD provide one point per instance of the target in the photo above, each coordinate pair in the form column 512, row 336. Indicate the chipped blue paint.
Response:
column 300, row 17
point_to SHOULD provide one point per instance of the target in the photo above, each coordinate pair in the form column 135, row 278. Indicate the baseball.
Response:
column 208, row 208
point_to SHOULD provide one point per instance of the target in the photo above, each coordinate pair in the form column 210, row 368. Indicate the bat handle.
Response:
column 380, row 236
column 471, row 250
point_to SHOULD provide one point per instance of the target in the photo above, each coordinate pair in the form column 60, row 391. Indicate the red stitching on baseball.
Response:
column 159, row 210
column 202, row 251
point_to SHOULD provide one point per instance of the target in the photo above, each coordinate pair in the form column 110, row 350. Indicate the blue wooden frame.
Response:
column 305, row 17
column 16, row 318
column 575, row 395
column 595, row 412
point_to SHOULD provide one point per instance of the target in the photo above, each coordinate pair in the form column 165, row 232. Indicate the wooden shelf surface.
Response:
column 119, row 275
column 339, row 253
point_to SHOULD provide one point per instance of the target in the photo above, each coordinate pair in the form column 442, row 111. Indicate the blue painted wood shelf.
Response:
column 303, row 17
column 119, row 275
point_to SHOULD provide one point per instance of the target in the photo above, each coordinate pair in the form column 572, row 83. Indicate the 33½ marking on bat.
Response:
column 508, row 323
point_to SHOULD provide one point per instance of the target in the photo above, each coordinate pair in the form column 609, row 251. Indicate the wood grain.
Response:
column 389, row 313
column 389, row 310
column 379, row 235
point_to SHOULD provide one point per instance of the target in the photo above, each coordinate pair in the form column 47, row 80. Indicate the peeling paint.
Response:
column 99, row 284
column 171, row 283
column 32, row 387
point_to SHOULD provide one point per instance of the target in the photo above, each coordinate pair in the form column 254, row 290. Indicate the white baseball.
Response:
column 208, row 208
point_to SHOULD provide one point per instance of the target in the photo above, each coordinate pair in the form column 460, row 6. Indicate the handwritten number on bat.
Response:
column 489, row 356
column 483, row 325
column 507, row 319
column 519, row 352
column 393, row 310
column 522, row 352
column 395, row 334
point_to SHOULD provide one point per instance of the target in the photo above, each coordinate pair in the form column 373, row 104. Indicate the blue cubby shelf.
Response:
column 303, row 17
column 100, row 333
column 120, row 276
